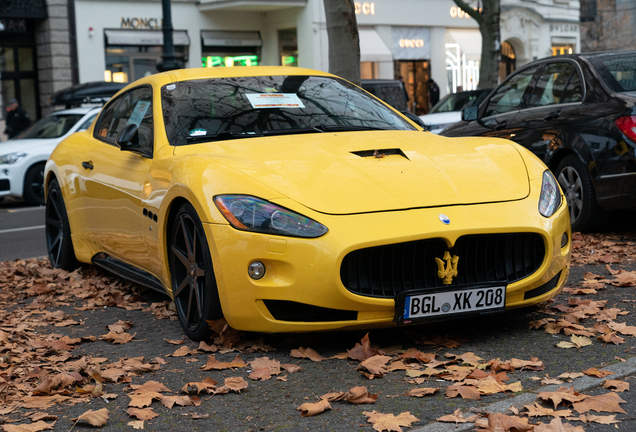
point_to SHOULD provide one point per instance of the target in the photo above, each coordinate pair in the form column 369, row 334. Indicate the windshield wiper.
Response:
column 320, row 128
column 222, row 136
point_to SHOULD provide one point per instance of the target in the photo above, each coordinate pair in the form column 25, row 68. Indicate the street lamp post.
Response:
column 170, row 61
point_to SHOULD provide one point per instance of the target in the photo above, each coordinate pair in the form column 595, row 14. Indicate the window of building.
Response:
column 288, row 47
column 369, row 70
column 507, row 61
column 230, row 48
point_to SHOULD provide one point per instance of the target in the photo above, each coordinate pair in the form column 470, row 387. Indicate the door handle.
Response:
column 552, row 116
column 88, row 165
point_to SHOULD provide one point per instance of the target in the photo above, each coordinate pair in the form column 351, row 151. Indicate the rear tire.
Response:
column 585, row 213
column 194, row 287
column 34, row 185
column 58, row 231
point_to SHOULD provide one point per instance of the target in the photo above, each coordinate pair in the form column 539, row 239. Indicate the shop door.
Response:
column 18, row 78
column 415, row 75
column 143, row 65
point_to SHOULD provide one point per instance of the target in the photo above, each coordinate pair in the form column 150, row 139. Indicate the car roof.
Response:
column 78, row 110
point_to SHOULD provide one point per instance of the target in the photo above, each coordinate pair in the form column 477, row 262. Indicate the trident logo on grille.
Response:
column 449, row 271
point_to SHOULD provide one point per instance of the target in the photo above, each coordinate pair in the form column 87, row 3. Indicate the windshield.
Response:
column 618, row 70
column 270, row 105
column 51, row 126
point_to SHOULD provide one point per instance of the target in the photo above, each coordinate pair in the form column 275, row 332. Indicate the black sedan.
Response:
column 578, row 114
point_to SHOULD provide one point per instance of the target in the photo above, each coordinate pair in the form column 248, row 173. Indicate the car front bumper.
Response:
column 305, row 274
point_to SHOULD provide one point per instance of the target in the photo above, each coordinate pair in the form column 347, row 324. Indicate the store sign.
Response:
column 411, row 43
column 13, row 26
column 564, row 28
column 365, row 8
column 141, row 23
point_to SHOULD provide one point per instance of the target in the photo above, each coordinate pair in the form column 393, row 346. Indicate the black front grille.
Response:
column 284, row 310
column 385, row 271
column 4, row 185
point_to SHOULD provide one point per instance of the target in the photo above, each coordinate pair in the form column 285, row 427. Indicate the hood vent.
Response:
column 380, row 153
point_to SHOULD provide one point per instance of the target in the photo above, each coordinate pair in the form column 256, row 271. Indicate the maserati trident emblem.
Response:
column 449, row 271
column 444, row 219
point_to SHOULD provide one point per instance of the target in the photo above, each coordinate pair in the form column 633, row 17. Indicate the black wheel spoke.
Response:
column 199, row 272
column 55, row 206
column 181, row 256
column 55, row 223
column 188, row 241
column 184, row 283
column 55, row 241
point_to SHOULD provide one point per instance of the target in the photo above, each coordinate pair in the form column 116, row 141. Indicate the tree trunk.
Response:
column 488, row 20
column 344, row 42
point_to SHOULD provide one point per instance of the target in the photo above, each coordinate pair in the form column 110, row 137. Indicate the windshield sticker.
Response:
column 198, row 132
column 275, row 100
column 138, row 113
column 171, row 86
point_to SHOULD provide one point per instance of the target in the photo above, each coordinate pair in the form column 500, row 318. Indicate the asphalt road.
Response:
column 21, row 231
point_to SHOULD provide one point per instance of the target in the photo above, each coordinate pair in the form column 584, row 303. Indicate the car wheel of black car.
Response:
column 194, row 287
column 585, row 213
column 58, row 231
column 34, row 185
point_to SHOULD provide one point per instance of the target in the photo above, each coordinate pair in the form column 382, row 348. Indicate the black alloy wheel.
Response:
column 34, row 185
column 58, row 231
column 194, row 287
column 585, row 213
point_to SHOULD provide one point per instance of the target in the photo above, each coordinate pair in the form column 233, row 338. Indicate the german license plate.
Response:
column 446, row 304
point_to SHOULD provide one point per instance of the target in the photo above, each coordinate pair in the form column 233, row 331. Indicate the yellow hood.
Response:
column 338, row 173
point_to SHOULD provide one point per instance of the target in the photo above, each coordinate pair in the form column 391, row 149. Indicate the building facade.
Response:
column 411, row 40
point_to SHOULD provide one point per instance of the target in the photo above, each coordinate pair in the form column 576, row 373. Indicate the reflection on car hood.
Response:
column 28, row 145
column 337, row 173
column 441, row 118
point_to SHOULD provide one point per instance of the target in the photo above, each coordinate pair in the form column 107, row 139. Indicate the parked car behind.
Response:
column 390, row 91
column 22, row 159
column 448, row 110
column 577, row 113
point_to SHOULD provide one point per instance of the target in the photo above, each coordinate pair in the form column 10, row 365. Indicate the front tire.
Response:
column 194, row 287
column 58, row 231
column 585, row 213
column 34, row 185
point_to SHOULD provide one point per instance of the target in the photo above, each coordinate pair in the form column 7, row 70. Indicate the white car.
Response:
column 22, row 159
column 449, row 110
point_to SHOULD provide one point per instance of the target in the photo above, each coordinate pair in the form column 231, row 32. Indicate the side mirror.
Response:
column 128, row 139
column 470, row 113
column 415, row 119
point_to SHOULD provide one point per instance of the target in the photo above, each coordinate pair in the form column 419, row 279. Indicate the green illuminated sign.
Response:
column 216, row 61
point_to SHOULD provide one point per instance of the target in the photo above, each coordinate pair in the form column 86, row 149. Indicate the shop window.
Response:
column 507, row 61
column 415, row 75
column 129, row 63
column 369, row 70
column 288, row 47
column 562, row 49
column 229, row 48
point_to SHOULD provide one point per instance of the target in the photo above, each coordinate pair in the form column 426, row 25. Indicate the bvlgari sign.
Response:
column 141, row 23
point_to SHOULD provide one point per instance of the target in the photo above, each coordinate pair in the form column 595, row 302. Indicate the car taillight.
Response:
column 627, row 125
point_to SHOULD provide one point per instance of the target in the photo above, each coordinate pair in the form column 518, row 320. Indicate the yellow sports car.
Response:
column 288, row 199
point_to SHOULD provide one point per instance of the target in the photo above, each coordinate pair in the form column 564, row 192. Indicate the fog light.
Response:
column 256, row 270
column 564, row 240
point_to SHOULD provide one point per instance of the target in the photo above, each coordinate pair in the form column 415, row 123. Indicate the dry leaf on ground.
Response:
column 389, row 422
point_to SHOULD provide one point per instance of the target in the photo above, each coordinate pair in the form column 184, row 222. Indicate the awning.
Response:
column 231, row 38
column 372, row 48
column 469, row 41
column 144, row 37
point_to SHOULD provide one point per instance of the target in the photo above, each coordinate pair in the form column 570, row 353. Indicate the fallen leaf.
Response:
column 28, row 427
column 457, row 417
column 389, row 422
column 576, row 342
column 616, row 385
column 362, row 351
column 420, row 392
column 556, row 425
column 309, row 409
column 95, row 418
column 306, row 353
column 497, row 422
column 136, row 424
column 607, row 402
column 142, row 414
column 593, row 372
column 214, row 364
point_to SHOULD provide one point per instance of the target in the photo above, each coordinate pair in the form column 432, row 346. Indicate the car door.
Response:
column 555, row 94
column 113, row 180
column 498, row 113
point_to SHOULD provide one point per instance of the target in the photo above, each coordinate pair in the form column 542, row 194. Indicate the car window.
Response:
column 618, row 70
column 510, row 95
column 268, row 105
column 87, row 123
column 459, row 101
column 574, row 90
column 51, row 126
column 134, row 107
column 551, row 85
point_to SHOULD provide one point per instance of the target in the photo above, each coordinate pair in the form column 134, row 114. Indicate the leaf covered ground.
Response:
column 86, row 349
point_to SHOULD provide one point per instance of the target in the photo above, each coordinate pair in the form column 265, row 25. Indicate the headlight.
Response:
column 249, row 213
column 11, row 158
column 550, row 199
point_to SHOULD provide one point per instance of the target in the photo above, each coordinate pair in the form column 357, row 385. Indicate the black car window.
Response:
column 618, row 70
column 510, row 95
column 550, row 86
column 244, row 107
column 574, row 90
column 134, row 107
